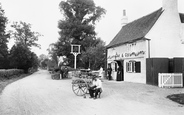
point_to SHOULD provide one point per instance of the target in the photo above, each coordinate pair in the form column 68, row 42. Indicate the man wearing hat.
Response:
column 95, row 88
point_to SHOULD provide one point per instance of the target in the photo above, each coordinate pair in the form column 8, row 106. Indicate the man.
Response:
column 95, row 88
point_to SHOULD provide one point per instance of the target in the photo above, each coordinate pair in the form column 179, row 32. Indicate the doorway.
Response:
column 120, row 70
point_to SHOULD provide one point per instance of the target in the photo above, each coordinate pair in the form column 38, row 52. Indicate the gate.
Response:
column 154, row 66
column 170, row 80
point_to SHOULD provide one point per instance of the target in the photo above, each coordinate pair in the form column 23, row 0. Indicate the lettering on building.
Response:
column 126, row 55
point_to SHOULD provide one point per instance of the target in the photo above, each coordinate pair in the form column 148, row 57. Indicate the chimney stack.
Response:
column 124, row 19
column 124, row 12
column 170, row 5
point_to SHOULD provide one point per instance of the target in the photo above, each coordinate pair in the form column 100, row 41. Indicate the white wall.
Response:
column 166, row 35
column 136, row 77
column 182, row 33
column 121, row 53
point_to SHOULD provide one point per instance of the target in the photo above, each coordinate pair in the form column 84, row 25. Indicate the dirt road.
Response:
column 38, row 94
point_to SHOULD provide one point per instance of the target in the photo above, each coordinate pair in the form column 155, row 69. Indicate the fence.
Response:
column 170, row 80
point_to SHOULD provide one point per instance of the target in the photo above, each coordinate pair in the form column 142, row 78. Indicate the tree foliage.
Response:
column 77, row 27
column 40, row 60
column 42, row 57
column 22, row 58
column 3, row 40
column 43, row 63
column 23, row 34
column 79, row 20
column 80, row 17
column 52, row 52
column 94, row 56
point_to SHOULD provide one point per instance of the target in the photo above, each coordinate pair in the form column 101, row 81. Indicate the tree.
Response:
column 22, row 58
column 42, row 57
column 78, row 24
column 94, row 56
column 44, row 63
column 52, row 52
column 3, row 41
column 23, row 34
column 34, row 61
column 79, row 20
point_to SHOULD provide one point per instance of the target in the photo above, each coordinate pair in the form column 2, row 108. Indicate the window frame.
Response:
column 133, row 66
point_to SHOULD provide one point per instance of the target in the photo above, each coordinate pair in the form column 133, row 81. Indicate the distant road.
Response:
column 38, row 94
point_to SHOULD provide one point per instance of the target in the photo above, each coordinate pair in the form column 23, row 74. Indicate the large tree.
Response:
column 3, row 40
column 23, row 34
column 79, row 20
column 77, row 25
column 80, row 17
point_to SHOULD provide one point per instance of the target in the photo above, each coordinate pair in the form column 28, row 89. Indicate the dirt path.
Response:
column 38, row 94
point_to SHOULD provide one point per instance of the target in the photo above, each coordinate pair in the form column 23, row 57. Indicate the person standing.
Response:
column 101, row 73
column 119, row 73
column 109, row 71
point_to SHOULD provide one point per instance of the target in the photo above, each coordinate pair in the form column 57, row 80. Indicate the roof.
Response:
column 181, row 17
column 135, row 30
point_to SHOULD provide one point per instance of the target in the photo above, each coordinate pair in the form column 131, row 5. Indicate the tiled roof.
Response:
column 181, row 17
column 135, row 30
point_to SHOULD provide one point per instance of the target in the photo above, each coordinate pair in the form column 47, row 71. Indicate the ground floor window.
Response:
column 133, row 66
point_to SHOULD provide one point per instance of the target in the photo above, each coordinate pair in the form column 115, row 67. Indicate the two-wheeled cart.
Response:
column 81, row 82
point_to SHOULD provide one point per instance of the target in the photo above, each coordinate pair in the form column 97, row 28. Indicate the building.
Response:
column 149, row 45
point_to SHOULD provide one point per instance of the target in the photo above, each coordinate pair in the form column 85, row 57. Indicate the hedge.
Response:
column 9, row 73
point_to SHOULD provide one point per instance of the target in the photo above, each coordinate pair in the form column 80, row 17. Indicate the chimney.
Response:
column 170, row 5
column 124, row 19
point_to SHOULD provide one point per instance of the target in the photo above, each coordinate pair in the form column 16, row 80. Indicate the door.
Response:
column 120, row 72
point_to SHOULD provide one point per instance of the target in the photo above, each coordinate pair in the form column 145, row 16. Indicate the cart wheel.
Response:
column 79, row 88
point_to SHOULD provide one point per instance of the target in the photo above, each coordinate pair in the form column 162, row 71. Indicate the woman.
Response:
column 109, row 70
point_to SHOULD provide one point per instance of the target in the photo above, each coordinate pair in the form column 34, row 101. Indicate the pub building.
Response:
column 149, row 45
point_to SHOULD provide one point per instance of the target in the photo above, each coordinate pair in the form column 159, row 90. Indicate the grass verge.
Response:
column 5, row 82
column 179, row 98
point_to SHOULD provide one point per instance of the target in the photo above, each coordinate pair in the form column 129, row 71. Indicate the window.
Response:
column 133, row 66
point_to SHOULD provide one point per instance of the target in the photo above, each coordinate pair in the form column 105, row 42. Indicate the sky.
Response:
column 44, row 15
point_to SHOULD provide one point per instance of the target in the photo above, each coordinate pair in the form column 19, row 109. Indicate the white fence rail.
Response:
column 170, row 80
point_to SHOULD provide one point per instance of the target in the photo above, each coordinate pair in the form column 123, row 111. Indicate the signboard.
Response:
column 75, row 48
column 126, row 55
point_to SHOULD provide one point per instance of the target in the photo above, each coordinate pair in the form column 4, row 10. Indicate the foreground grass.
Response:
column 5, row 82
column 179, row 98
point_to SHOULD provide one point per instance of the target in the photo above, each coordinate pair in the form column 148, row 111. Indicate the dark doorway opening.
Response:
column 120, row 70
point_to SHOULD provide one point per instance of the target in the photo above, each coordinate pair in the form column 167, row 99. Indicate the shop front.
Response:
column 128, row 61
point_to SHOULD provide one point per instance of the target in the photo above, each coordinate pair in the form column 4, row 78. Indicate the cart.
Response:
column 81, row 82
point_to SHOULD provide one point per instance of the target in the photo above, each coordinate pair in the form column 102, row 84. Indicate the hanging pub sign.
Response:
column 75, row 48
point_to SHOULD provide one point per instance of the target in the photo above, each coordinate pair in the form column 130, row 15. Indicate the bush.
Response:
column 10, row 73
column 22, row 58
